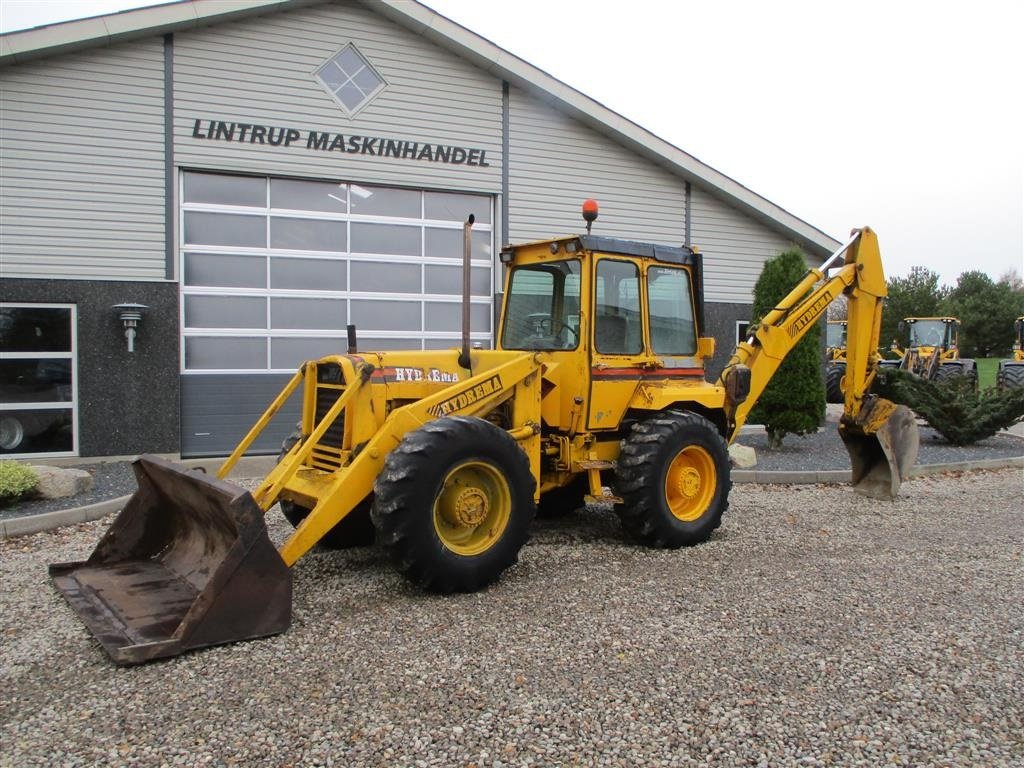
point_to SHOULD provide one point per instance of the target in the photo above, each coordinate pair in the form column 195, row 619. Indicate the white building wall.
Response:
column 555, row 163
column 82, row 157
column 735, row 247
column 260, row 71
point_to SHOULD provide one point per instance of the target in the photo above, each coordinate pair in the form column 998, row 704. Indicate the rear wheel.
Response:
column 834, row 373
column 353, row 530
column 673, row 476
column 454, row 504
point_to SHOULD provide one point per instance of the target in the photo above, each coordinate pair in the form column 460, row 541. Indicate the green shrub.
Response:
column 953, row 407
column 16, row 481
column 794, row 400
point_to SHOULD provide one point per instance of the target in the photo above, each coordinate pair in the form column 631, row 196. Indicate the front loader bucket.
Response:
column 186, row 564
column 882, row 442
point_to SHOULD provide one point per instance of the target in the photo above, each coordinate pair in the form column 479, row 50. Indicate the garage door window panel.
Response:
column 382, row 277
column 314, row 314
column 225, row 270
column 308, row 274
column 295, row 234
column 295, row 195
column 225, row 229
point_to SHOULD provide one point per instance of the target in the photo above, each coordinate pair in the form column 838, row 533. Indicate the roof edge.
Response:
column 63, row 37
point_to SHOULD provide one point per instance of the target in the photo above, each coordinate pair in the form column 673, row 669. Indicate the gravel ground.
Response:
column 816, row 628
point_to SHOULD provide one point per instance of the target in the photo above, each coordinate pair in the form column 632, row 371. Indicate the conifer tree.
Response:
column 794, row 400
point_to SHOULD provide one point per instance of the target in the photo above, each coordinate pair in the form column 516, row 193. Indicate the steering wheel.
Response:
column 548, row 331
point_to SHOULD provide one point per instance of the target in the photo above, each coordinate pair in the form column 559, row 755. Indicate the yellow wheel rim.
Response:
column 690, row 483
column 473, row 508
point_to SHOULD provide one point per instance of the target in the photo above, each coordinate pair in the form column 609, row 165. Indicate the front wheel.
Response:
column 673, row 476
column 834, row 389
column 454, row 504
column 353, row 530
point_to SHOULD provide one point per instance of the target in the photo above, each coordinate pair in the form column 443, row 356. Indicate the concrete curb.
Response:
column 22, row 526
column 843, row 475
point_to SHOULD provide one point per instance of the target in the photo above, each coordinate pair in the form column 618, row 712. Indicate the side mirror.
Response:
column 706, row 346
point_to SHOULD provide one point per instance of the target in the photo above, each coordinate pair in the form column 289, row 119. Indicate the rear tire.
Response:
column 834, row 373
column 673, row 476
column 353, row 530
column 454, row 504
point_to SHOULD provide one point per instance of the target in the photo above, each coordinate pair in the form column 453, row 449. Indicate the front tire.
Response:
column 353, row 530
column 1011, row 375
column 834, row 373
column 673, row 476
column 454, row 504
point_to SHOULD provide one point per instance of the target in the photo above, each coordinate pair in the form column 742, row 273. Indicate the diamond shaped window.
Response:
column 350, row 79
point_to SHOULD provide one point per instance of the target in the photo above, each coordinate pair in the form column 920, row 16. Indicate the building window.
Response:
column 742, row 329
column 38, row 377
column 350, row 79
column 273, row 270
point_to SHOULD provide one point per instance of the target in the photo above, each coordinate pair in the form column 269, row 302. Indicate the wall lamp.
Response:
column 130, row 315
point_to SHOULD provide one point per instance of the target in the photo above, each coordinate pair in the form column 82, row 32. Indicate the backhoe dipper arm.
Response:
column 862, row 280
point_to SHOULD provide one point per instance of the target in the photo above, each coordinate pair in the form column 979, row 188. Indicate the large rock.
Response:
column 61, row 482
column 742, row 456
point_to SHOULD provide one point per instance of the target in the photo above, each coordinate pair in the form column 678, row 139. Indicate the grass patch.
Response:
column 988, row 367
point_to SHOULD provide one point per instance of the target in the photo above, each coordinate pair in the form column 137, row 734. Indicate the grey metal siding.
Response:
column 82, row 185
column 555, row 162
column 735, row 247
column 260, row 71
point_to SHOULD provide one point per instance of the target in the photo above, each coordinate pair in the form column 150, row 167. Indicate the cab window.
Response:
column 542, row 309
column 673, row 331
column 618, row 329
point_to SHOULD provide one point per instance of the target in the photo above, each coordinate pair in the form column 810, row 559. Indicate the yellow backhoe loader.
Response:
column 595, row 391
column 932, row 350
column 1011, row 372
column 835, row 360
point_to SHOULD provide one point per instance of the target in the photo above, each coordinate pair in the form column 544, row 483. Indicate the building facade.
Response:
column 259, row 176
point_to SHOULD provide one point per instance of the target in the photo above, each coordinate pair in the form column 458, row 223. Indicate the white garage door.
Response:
column 274, row 269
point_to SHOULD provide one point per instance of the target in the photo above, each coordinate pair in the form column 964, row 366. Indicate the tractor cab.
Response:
column 931, row 332
column 610, row 317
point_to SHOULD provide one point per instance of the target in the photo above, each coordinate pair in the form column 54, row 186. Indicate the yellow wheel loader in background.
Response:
column 932, row 350
column 597, row 382
column 1011, row 372
column 835, row 360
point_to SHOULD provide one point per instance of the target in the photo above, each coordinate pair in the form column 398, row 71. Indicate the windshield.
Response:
column 835, row 335
column 928, row 333
column 542, row 309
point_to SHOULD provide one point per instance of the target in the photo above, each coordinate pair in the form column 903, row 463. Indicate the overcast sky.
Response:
column 905, row 116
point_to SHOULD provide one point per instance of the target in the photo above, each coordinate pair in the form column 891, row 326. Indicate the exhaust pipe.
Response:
column 467, row 253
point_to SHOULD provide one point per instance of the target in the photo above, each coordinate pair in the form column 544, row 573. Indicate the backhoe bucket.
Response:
column 882, row 442
column 187, row 564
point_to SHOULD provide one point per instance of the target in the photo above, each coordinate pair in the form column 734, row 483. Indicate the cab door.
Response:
column 617, row 350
